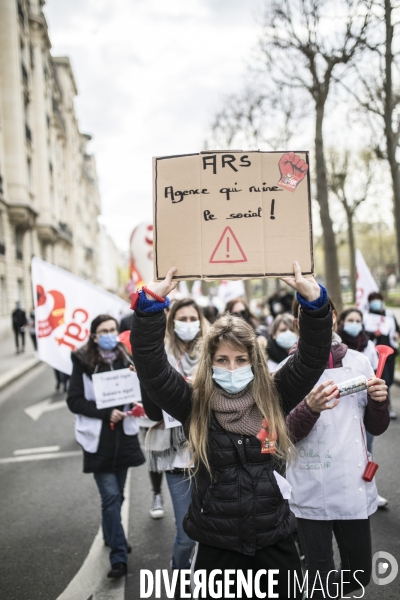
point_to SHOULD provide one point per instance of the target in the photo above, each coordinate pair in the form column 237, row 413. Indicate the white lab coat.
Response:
column 371, row 353
column 327, row 479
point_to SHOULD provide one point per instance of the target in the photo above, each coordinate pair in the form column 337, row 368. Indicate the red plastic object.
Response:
column 383, row 352
column 137, row 411
column 370, row 470
column 124, row 338
column 112, row 426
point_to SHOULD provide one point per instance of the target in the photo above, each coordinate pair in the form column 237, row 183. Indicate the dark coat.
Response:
column 240, row 507
column 19, row 319
column 116, row 449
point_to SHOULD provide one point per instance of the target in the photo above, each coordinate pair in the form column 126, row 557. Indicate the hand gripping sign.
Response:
column 232, row 215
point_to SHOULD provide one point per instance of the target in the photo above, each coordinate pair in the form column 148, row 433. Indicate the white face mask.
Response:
column 186, row 331
column 233, row 381
column 286, row 339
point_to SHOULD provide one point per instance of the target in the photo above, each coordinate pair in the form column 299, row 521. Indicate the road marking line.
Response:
column 30, row 457
column 25, row 451
column 37, row 410
column 91, row 580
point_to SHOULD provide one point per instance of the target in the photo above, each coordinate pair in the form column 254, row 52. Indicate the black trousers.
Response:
column 354, row 541
column 282, row 556
column 17, row 334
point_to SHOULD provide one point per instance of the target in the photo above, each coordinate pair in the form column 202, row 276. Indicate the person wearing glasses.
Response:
column 108, row 451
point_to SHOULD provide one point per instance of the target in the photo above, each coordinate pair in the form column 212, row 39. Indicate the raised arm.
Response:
column 161, row 382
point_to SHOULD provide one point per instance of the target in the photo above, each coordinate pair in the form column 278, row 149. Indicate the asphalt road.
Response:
column 50, row 510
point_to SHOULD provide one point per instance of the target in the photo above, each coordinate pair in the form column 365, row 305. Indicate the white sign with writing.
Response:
column 169, row 421
column 116, row 388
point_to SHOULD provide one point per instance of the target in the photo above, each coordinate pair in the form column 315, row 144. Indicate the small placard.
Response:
column 116, row 388
column 169, row 421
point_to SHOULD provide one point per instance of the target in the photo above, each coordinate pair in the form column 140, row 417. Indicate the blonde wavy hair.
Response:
column 237, row 334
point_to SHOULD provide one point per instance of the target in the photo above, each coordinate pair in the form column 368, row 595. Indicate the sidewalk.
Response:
column 12, row 365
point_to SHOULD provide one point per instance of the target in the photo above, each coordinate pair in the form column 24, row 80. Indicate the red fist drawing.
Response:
column 293, row 170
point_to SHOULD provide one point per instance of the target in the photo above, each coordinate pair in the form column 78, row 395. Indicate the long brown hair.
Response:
column 178, row 346
column 238, row 334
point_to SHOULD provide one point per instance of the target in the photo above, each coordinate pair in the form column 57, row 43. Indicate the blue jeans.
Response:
column 180, row 489
column 111, row 488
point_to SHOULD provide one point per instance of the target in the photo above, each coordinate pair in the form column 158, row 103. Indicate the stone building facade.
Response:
column 49, row 198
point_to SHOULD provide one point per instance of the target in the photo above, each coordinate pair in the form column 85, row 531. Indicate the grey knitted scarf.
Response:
column 237, row 413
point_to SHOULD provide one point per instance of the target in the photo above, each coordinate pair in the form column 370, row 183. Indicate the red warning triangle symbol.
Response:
column 228, row 249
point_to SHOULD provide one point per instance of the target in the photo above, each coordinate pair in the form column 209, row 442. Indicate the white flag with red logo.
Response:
column 65, row 306
column 366, row 284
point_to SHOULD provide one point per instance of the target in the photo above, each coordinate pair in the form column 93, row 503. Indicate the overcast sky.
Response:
column 150, row 74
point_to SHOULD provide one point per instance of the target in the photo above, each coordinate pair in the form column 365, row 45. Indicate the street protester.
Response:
column 108, row 451
column 351, row 330
column 329, row 492
column 239, row 514
column 282, row 337
column 239, row 308
column 19, row 321
column 166, row 448
column 382, row 327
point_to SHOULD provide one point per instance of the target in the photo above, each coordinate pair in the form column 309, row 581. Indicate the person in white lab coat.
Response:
column 329, row 494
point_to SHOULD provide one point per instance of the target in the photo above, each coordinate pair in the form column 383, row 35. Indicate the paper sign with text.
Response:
column 116, row 388
column 230, row 215
column 169, row 421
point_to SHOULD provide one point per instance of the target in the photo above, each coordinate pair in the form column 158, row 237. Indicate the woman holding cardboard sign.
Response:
column 233, row 413
column 107, row 452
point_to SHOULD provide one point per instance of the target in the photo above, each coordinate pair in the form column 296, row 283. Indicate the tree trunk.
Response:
column 390, row 136
column 352, row 254
column 330, row 252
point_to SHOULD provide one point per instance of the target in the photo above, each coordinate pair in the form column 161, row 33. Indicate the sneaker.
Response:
column 117, row 570
column 392, row 414
column 157, row 510
column 382, row 502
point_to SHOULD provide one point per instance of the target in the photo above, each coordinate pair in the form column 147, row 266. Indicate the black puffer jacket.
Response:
column 240, row 507
column 116, row 449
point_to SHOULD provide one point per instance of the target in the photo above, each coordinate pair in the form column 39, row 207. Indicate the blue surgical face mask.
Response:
column 376, row 304
column 233, row 381
column 353, row 328
column 286, row 339
column 107, row 341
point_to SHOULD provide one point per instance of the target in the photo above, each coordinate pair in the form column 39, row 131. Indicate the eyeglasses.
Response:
column 106, row 331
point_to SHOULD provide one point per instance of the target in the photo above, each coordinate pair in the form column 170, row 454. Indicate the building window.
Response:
column 2, row 236
column 29, row 165
column 43, row 250
column 3, row 296
column 20, row 291
column 19, row 244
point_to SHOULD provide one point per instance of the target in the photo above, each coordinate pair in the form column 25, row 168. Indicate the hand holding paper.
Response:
column 306, row 286
column 117, row 415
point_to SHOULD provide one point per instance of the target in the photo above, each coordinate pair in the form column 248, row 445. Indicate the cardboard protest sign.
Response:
column 65, row 305
column 116, row 388
column 265, row 196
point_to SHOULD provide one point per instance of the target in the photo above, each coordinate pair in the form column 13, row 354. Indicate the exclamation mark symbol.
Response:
column 227, row 247
column 272, row 210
